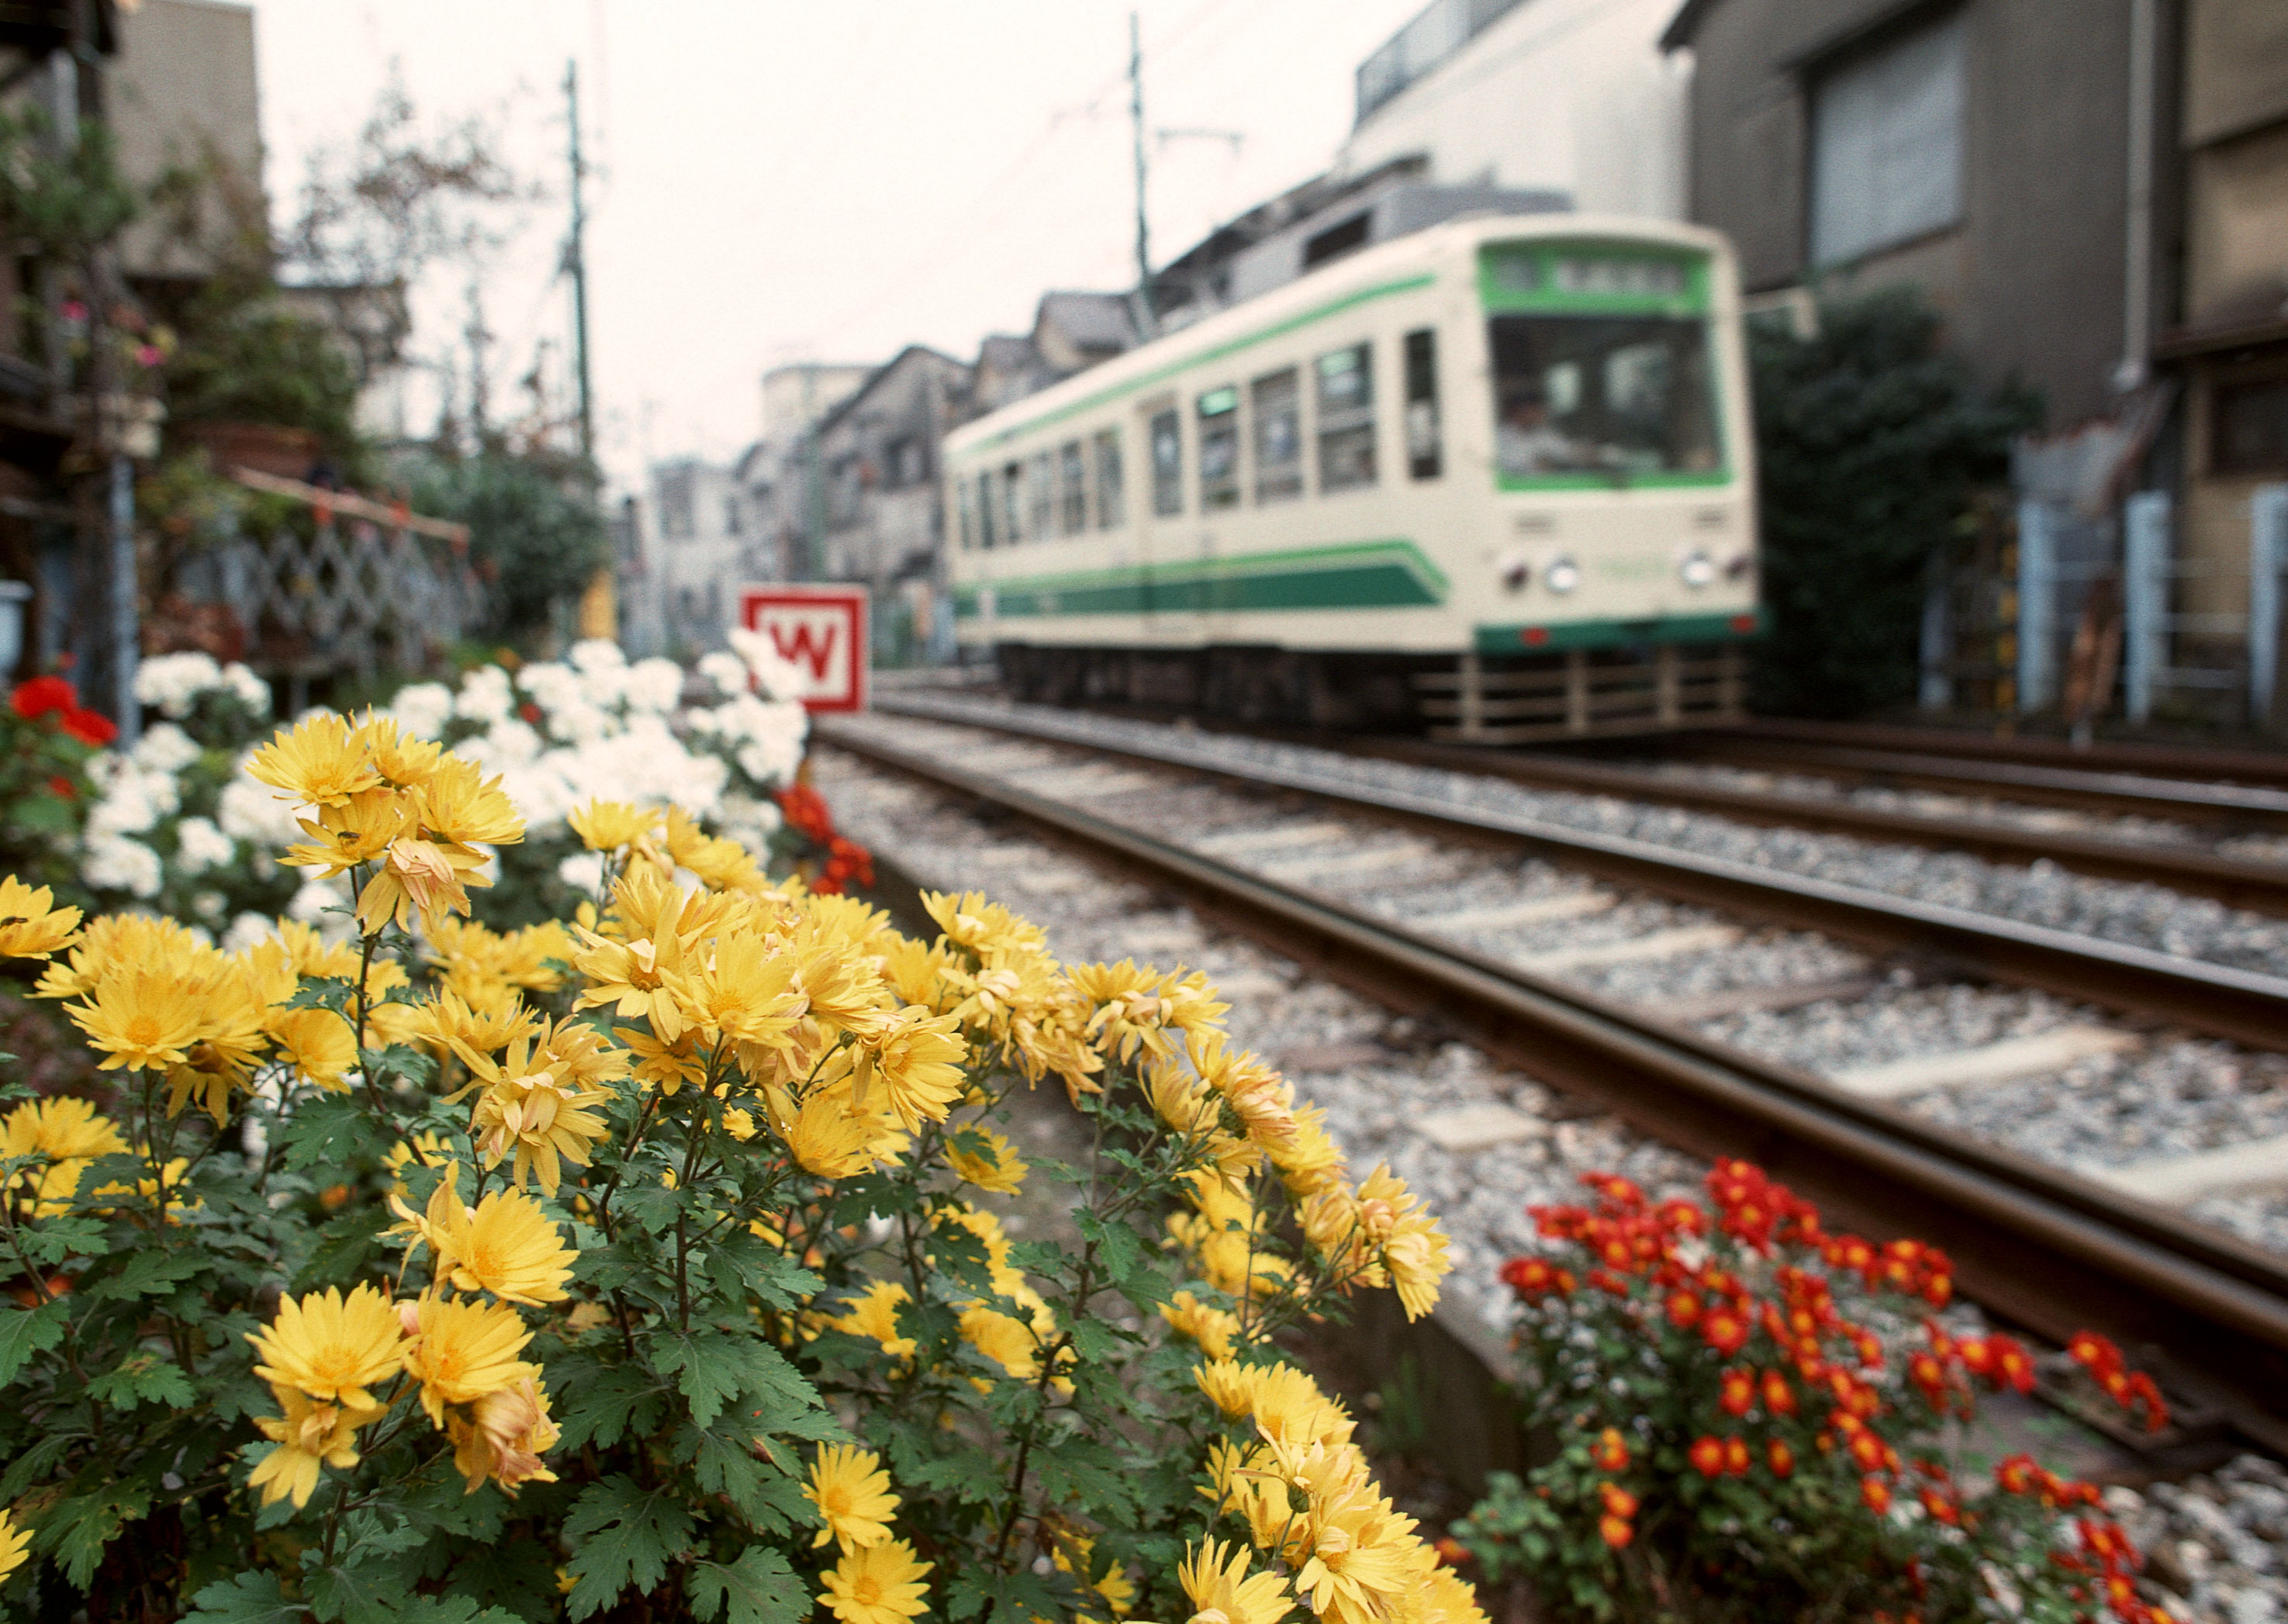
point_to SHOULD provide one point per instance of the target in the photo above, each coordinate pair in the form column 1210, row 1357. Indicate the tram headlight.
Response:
column 1697, row 569
column 1516, row 570
column 1563, row 575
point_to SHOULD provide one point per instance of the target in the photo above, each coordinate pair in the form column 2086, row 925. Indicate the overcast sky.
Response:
column 777, row 182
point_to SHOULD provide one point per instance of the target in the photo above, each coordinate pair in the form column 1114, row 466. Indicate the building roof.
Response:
column 1092, row 320
column 881, row 373
column 1683, row 27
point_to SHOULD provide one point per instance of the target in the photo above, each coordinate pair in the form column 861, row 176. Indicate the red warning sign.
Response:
column 819, row 631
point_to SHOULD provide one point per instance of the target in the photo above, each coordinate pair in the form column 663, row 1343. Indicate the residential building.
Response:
column 683, row 556
column 1567, row 96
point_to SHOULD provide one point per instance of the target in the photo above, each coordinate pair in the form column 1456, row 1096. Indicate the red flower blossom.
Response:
column 1683, row 1307
column 61, row 787
column 1780, row 1458
column 1707, row 1456
column 1611, row 1451
column 2013, row 1367
column 42, row 695
column 1779, row 1398
column 1942, row 1507
column 1876, row 1493
column 1736, row 1456
column 1738, row 1394
column 1725, row 1331
column 1867, row 1450
column 1615, row 1532
column 1618, row 1500
column 88, row 726
column 1533, row 1277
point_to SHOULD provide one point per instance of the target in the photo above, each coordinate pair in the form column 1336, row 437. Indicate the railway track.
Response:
column 2041, row 1246
column 2175, row 761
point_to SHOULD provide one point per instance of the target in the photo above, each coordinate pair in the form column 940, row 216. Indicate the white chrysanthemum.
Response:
column 318, row 903
column 578, row 722
column 164, row 748
column 422, row 708
column 174, row 682
column 777, row 676
column 132, row 802
column 485, row 697
column 249, row 689
column 257, row 813
column 551, row 685
column 249, row 930
column 654, row 685
column 507, row 744
column 592, row 654
column 727, row 672
column 199, row 845
column 113, row 862
column 582, row 871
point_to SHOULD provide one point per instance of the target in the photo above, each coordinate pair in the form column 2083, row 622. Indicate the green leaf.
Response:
column 142, row 1377
column 713, row 1367
column 615, row 1401
column 26, row 1331
column 346, row 1246
column 54, row 1240
column 768, row 1499
column 759, row 1589
column 621, row 1534
column 78, row 1529
column 149, row 1273
column 251, row 1598
column 32, row 1466
column 327, row 1132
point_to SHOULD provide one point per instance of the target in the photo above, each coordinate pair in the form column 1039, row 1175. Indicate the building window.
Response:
column 1167, row 465
column 1423, row 452
column 1346, row 419
column 1278, row 437
column 1108, row 504
column 963, row 517
column 2249, row 427
column 1074, row 464
column 1886, row 144
column 1219, row 447
column 1041, row 479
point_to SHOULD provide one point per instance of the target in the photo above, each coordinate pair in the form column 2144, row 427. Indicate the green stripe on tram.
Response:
column 1384, row 574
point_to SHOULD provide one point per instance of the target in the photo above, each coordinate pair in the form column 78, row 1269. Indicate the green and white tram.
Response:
column 1496, row 476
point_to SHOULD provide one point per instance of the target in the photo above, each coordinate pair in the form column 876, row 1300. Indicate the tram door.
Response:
column 1164, row 533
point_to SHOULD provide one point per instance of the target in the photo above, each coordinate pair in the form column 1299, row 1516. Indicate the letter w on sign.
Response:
column 821, row 632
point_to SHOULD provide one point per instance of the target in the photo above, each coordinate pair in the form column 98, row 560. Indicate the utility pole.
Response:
column 1147, row 317
column 576, row 262
column 814, row 475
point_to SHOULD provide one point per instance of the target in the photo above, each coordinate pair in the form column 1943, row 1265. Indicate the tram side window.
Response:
column 1041, row 479
column 1346, row 418
column 1278, row 436
column 1424, row 452
column 1167, row 465
column 961, row 515
column 1219, row 447
column 1013, row 502
column 1108, row 505
column 988, row 494
column 1074, row 464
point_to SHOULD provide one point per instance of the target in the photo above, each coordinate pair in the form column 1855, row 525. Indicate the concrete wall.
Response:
column 1570, row 94
column 2032, row 277
column 183, row 86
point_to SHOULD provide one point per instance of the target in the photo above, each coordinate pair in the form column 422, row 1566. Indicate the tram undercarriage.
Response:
column 1474, row 698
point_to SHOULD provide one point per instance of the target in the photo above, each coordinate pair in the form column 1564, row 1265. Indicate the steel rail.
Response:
column 2183, row 761
column 2244, row 1005
column 2234, row 881
column 2253, row 805
column 2039, row 1247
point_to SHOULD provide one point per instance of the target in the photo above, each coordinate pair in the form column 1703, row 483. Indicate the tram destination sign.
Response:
column 819, row 631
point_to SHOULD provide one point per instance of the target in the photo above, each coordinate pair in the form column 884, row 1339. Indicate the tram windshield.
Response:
column 1616, row 396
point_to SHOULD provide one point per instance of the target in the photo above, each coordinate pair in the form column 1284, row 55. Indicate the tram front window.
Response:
column 1614, row 395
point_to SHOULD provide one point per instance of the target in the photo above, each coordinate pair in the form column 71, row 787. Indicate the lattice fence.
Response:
column 370, row 588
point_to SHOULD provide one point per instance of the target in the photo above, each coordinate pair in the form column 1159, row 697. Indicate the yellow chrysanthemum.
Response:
column 321, row 760
column 1222, row 1591
column 504, row 1244
column 1215, row 1329
column 463, row 1351
column 826, row 1138
column 1364, row 1557
column 318, row 1043
column 507, row 1431
column 460, row 806
column 527, row 1114
column 142, row 1020
column 877, row 1584
column 331, row 1347
column 420, row 878
column 853, row 1495
column 1449, row 1598
column 70, row 1134
column 15, row 1544
column 309, row 1435
column 1407, row 1241
column 875, row 1314
column 607, row 826
column 31, row 925
column 998, row 1167
column 357, row 831
column 1229, row 1385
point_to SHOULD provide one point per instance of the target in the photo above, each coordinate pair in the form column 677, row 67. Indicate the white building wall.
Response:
column 1573, row 94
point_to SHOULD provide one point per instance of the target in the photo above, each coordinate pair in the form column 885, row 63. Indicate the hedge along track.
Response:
column 2036, row 1246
